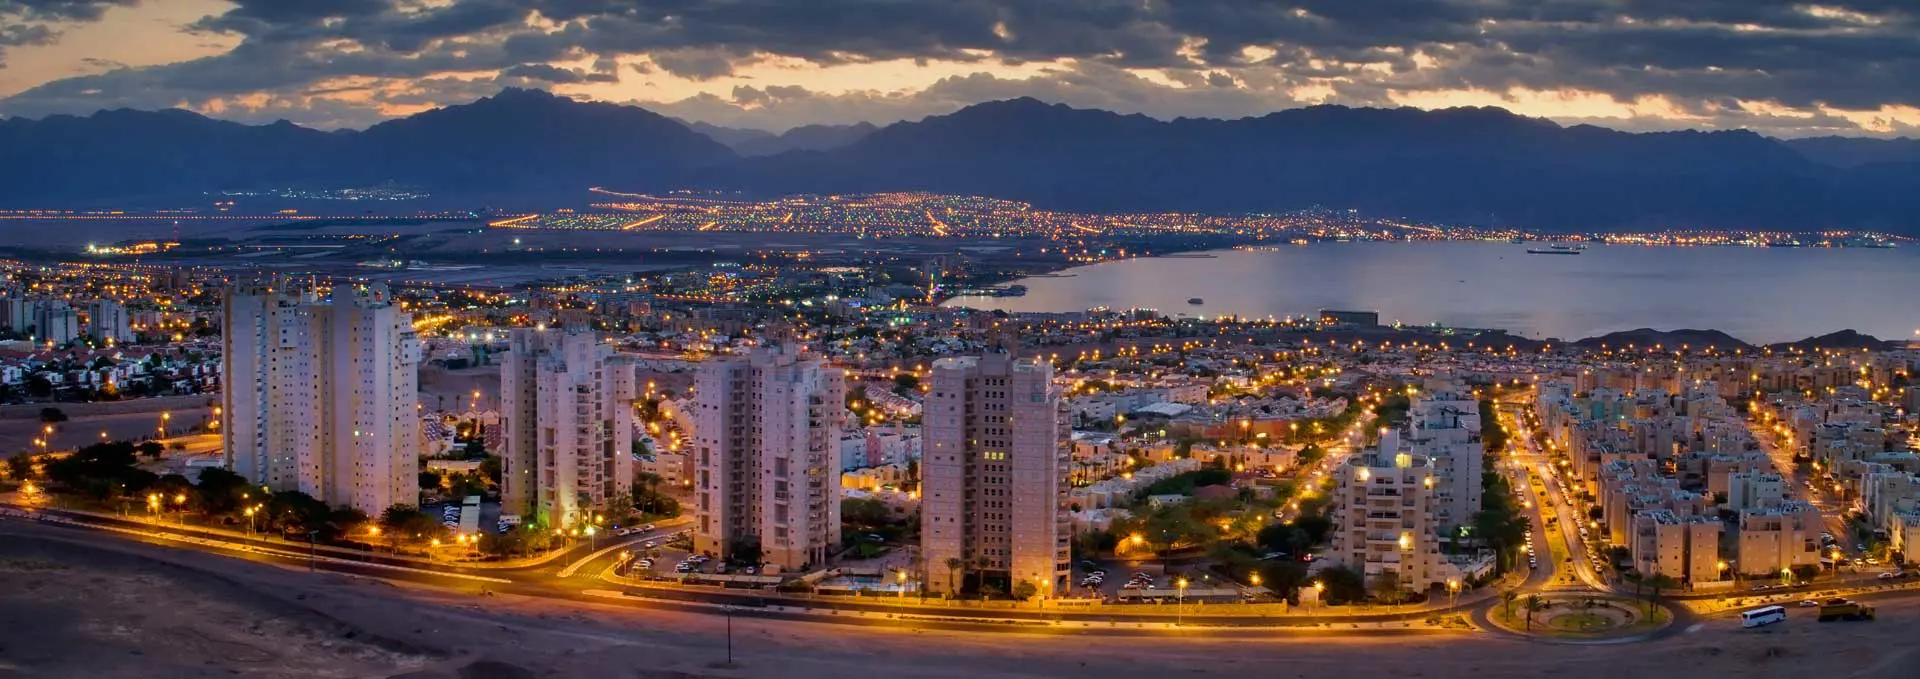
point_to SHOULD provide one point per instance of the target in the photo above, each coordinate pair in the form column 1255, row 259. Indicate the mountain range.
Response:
column 1463, row 165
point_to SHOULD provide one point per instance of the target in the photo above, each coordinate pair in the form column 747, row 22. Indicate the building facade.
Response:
column 1383, row 518
column 767, row 444
column 107, row 320
column 322, row 397
column 993, row 475
column 567, row 421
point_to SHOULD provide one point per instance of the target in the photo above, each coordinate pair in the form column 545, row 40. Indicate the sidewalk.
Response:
column 1075, row 607
column 10, row 499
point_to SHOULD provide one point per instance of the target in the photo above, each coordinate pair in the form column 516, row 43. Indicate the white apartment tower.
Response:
column 993, row 474
column 567, row 417
column 321, row 397
column 56, row 321
column 107, row 320
column 1444, row 427
column 1383, row 516
column 767, row 435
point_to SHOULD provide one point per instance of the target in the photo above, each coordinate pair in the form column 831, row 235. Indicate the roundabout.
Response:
column 1578, row 617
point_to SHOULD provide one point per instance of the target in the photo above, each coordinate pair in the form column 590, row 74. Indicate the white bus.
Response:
column 1765, row 615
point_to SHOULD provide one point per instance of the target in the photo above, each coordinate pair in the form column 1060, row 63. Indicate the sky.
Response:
column 1787, row 69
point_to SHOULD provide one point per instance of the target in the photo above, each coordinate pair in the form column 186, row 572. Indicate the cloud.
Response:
column 1825, row 63
column 40, row 22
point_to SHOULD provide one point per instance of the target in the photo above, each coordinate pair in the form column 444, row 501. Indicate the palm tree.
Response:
column 954, row 564
column 1533, row 604
column 1508, row 596
column 1658, row 582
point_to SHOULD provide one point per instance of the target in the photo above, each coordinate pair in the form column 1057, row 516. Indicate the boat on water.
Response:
column 1556, row 249
column 1196, row 301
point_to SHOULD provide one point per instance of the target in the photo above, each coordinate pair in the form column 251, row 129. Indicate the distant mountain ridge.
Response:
column 750, row 142
column 1465, row 165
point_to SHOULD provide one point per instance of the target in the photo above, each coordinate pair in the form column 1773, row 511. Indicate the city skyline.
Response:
column 1749, row 65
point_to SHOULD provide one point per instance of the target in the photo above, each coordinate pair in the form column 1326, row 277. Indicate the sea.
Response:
column 1760, row 295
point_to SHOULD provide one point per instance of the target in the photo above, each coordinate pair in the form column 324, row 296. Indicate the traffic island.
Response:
column 1579, row 617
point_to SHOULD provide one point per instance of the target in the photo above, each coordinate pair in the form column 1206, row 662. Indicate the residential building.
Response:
column 1444, row 427
column 1752, row 490
column 321, row 397
column 55, row 321
column 993, row 474
column 107, row 321
column 767, row 437
column 1774, row 539
column 1685, row 548
column 1383, row 518
column 567, row 404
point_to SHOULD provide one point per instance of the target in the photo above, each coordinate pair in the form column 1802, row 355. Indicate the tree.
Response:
column 1658, row 582
column 406, row 522
column 865, row 513
column 19, row 467
column 906, row 383
column 1507, row 597
column 220, row 490
column 954, row 565
column 151, row 449
column 1386, row 588
column 1533, row 604
column 1314, row 527
column 1025, row 590
column 1344, row 585
column 1283, row 577
column 429, row 479
column 490, row 469
column 52, row 415
column 291, row 511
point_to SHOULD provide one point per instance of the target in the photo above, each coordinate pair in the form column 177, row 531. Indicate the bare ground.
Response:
column 126, row 610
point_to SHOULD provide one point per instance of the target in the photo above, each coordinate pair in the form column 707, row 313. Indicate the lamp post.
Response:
column 1180, row 602
column 180, row 505
column 249, row 513
column 153, row 507
column 1319, row 589
column 1453, row 593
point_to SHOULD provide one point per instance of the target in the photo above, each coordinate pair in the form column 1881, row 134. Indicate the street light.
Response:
column 1453, row 593
column 1180, row 603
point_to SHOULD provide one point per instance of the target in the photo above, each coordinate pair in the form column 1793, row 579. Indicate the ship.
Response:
column 1196, row 301
column 1555, row 250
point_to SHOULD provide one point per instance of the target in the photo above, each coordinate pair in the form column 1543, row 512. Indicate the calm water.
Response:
column 1756, row 294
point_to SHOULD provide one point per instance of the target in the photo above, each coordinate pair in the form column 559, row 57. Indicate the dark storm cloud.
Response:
column 36, row 22
column 1852, row 54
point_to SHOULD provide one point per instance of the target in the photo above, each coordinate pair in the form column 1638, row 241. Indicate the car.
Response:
column 1808, row 603
column 750, row 570
column 1098, row 572
column 720, row 569
column 646, row 527
column 1860, row 547
column 649, row 544
column 1887, row 575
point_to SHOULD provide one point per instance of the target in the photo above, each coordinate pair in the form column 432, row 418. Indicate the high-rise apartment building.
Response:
column 567, row 417
column 767, row 436
column 107, row 320
column 1383, row 518
column 55, row 321
column 1444, row 427
column 321, row 397
column 993, row 475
